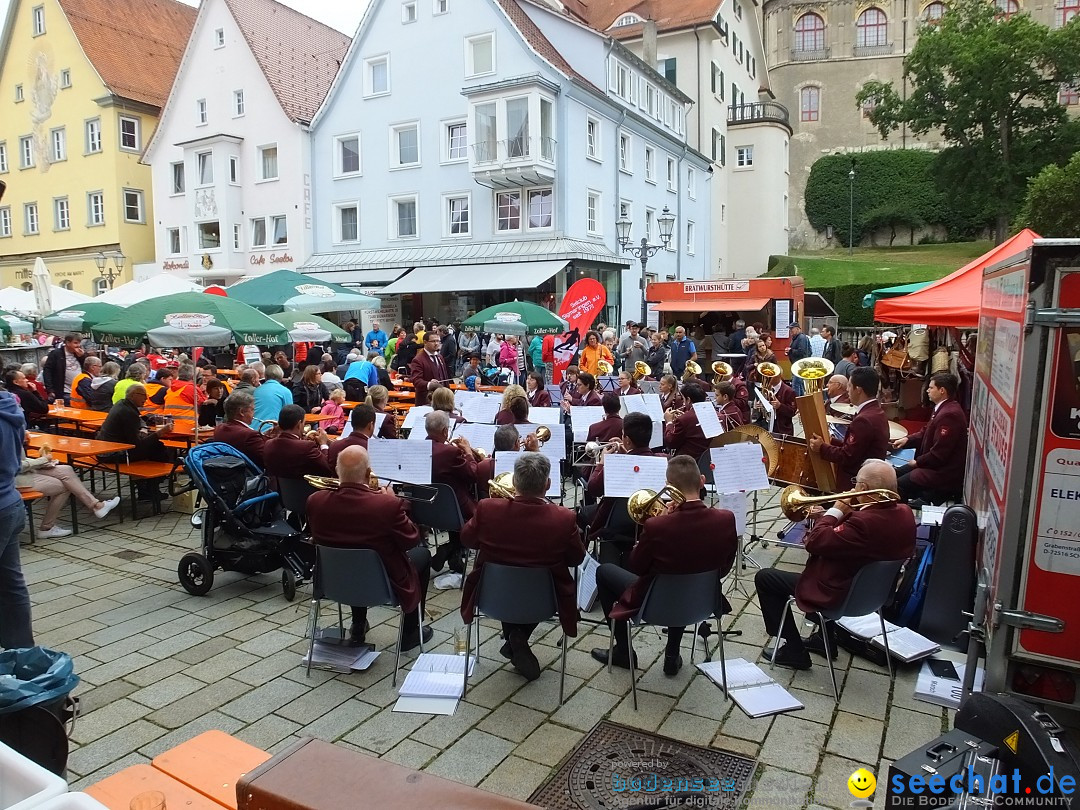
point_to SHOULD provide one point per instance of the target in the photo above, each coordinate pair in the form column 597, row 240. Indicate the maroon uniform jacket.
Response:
column 539, row 398
column 593, row 398
column 528, row 532
column 354, row 516
column 669, row 401
column 608, row 428
column 839, row 548
column 690, row 539
column 684, row 435
column 731, row 415
column 423, row 370
column 595, row 488
column 504, row 417
column 452, row 466
column 289, row 457
column 742, row 398
column 389, row 425
column 941, row 449
column 633, row 389
column 785, row 395
column 867, row 437
column 239, row 435
column 355, row 439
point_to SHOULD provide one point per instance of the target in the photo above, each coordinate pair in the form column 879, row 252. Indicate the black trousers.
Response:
column 774, row 587
column 611, row 581
column 909, row 490
column 420, row 558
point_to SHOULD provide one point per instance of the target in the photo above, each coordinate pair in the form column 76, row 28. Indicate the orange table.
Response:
column 117, row 791
column 76, row 414
column 211, row 763
column 228, row 372
column 317, row 417
column 75, row 446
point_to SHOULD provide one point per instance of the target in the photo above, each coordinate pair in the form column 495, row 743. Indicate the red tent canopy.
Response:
column 953, row 300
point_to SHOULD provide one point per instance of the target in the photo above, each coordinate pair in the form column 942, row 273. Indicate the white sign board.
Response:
column 401, row 461
column 625, row 474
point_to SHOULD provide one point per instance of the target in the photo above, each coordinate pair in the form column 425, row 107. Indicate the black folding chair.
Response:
column 442, row 514
column 294, row 494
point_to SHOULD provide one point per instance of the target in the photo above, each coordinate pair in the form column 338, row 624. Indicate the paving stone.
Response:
column 411, row 754
column 166, row 691
column 98, row 723
column 115, row 632
column 384, row 730
column 830, row 787
column 548, row 744
column 704, row 698
column 512, row 721
column 197, row 703
column 89, row 758
column 318, row 701
column 515, row 777
column 777, row 789
column 543, row 694
column 205, row 650
column 802, row 758
column 258, row 702
column 94, row 698
column 208, row 722
column 866, row 693
column 689, row 728
column 335, row 724
column 471, row 758
column 585, row 708
column 269, row 668
column 738, row 724
column 855, row 737
column 134, row 758
column 736, row 746
column 495, row 689
column 113, row 670
column 651, row 711
column 907, row 730
column 222, row 665
column 443, row 730
column 267, row 731
column 157, row 671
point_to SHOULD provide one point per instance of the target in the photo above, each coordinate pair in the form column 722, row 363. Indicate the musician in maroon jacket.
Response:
column 363, row 426
column 428, row 370
column 841, row 542
column 236, row 430
column 936, row 474
column 782, row 397
column 683, row 433
column 741, row 397
column 727, row 406
column 507, row 439
column 611, row 426
column 290, row 455
column 528, row 531
column 334, row 519
column 690, row 539
column 670, row 398
column 535, row 392
column 455, row 466
column 867, row 436
column 626, row 385
column 515, row 413
column 569, row 388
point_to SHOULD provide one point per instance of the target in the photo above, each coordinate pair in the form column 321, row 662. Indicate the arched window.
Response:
column 810, row 33
column 1006, row 8
column 1065, row 10
column 872, row 29
column 933, row 12
column 627, row 19
column 810, row 103
column 65, row 285
column 101, row 286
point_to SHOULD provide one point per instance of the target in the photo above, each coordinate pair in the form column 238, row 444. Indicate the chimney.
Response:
column 648, row 42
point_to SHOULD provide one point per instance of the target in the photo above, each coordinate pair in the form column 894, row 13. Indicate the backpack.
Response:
column 906, row 605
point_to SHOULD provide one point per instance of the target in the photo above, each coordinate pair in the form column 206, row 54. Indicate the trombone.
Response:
column 795, row 503
column 410, row 492
column 263, row 424
column 645, row 503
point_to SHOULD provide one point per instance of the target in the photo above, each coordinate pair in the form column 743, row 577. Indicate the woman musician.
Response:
column 442, row 399
column 510, row 393
column 670, row 398
column 727, row 407
column 534, row 390
column 377, row 397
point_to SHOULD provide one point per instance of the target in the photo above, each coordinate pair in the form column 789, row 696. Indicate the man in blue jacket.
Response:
column 798, row 350
column 271, row 397
column 15, row 628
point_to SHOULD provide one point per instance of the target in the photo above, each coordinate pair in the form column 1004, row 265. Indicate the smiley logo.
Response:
column 861, row 784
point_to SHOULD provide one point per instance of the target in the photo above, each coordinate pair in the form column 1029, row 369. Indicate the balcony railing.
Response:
column 758, row 112
column 521, row 148
column 809, row 56
column 872, row 50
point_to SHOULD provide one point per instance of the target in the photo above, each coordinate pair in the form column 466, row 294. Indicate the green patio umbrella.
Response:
column 190, row 319
column 874, row 296
column 285, row 291
column 502, row 318
column 80, row 317
column 304, row 327
column 11, row 325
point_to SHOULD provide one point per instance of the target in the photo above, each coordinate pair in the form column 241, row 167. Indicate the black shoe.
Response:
column 506, row 651
column 793, row 659
column 357, row 635
column 672, row 665
column 456, row 561
column 438, row 559
column 816, row 645
column 523, row 659
column 410, row 641
column 619, row 658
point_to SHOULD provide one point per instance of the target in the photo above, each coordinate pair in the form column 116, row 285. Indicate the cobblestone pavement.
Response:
column 159, row 666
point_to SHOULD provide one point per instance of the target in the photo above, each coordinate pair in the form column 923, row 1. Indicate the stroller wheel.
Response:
column 288, row 584
column 197, row 517
column 196, row 574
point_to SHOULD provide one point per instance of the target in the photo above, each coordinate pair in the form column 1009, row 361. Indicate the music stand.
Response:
column 608, row 383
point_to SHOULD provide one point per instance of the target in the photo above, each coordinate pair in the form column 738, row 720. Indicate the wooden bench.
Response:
column 211, row 764
column 134, row 471
column 30, row 496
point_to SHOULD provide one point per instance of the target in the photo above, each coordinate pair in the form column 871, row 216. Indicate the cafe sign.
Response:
column 729, row 286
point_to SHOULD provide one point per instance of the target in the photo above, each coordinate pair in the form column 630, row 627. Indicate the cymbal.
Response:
column 897, row 431
column 842, row 407
column 836, row 420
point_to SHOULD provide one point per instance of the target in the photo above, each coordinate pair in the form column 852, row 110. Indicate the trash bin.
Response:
column 35, row 706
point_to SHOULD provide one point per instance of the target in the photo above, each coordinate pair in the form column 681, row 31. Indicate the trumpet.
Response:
column 542, row 434
column 692, row 369
column 641, row 370
column 645, row 503
column 795, row 503
column 478, row 453
column 722, row 369
column 596, row 449
column 812, row 371
column 502, row 486
column 605, row 368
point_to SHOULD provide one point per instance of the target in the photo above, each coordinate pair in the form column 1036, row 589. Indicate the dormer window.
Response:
column 627, row 19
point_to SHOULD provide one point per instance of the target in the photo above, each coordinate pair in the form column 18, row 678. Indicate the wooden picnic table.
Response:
column 317, row 417
column 75, row 446
column 211, row 763
column 117, row 791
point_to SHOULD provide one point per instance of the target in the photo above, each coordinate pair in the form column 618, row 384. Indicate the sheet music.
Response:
column 546, row 416
column 482, row 409
column 707, row 418
column 783, row 317
column 504, row 462
column 751, row 688
column 435, row 662
column 586, row 583
column 764, row 400
column 583, row 417
column 414, row 417
column 431, row 684
column 401, row 461
column 346, row 431
column 738, row 467
column 735, row 502
column 625, row 474
column 648, row 404
column 657, row 438
column 479, row 436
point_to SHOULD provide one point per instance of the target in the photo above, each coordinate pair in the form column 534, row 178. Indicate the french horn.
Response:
column 645, row 503
column 502, row 486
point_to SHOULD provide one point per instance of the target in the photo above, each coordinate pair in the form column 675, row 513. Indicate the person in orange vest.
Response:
column 80, row 386
column 184, row 393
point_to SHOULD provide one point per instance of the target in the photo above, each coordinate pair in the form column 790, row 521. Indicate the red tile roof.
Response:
column 538, row 41
column 668, row 14
column 298, row 55
column 135, row 45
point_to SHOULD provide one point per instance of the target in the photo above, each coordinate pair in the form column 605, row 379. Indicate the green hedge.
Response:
column 847, row 301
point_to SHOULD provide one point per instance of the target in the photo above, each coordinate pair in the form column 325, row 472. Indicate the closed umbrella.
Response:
column 190, row 319
column 536, row 319
column 80, row 317
column 12, row 325
column 42, row 287
column 289, row 291
column 307, row 328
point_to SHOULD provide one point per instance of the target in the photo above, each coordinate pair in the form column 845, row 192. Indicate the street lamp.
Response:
column 644, row 251
column 109, row 274
column 851, row 208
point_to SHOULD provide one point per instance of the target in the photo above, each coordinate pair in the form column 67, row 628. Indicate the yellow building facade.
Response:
column 81, row 85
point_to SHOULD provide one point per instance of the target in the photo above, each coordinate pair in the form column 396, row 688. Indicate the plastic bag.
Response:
column 34, row 675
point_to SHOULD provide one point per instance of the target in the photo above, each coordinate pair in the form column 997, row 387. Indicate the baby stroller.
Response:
column 242, row 526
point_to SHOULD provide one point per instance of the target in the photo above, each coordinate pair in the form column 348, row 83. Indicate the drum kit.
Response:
column 844, row 412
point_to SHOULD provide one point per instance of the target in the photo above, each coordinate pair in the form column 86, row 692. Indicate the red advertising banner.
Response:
column 582, row 302
column 1053, row 571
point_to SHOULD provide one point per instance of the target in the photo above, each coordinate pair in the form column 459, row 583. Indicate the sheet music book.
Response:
column 583, row 417
column 401, row 461
column 546, row 416
column 657, row 438
column 414, row 417
column 479, row 436
column 379, row 419
column 904, row 643
column 751, row 688
column 648, row 404
column 865, row 627
column 504, row 462
column 420, row 683
column 435, row 662
column 945, row 691
column 482, row 409
column 586, row 583
column 625, row 474
column 932, row 515
column 738, row 467
column 764, row 400
column 707, row 418
column 735, row 502
column 339, row 658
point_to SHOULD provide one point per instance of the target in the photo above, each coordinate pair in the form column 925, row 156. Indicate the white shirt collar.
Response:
column 858, row 408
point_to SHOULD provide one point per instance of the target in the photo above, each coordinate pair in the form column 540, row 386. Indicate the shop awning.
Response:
column 712, row 305
column 874, row 296
column 465, row 278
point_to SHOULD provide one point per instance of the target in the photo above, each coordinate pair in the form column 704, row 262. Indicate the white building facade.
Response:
column 231, row 156
column 472, row 151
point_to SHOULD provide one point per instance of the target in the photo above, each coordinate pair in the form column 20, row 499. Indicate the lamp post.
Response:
column 108, row 273
column 851, row 209
column 644, row 251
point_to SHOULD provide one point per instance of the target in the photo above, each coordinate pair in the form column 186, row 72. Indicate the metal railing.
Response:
column 520, row 148
column 809, row 56
column 758, row 111
column 872, row 50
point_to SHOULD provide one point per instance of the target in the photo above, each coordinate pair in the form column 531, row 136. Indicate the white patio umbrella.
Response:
column 22, row 302
column 135, row 291
column 42, row 287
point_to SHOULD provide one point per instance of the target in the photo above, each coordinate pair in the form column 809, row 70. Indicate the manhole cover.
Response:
column 616, row 767
column 129, row 555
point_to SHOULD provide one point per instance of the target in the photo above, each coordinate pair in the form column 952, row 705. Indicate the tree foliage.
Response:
column 1052, row 205
column 990, row 86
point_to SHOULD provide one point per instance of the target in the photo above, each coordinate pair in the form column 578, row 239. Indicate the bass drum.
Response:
column 795, row 466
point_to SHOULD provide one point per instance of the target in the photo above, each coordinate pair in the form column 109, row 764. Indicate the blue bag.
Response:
column 34, row 675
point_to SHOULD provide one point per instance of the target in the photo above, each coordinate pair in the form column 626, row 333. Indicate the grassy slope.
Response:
column 886, row 267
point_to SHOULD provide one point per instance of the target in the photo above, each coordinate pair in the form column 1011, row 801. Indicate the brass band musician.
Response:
column 455, row 466
column 683, row 432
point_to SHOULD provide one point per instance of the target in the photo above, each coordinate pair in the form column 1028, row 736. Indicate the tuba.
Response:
column 605, row 368
column 645, row 503
column 692, row 369
column 795, row 503
column 812, row 371
column 502, row 486
column 721, row 369
column 768, row 371
column 641, row 370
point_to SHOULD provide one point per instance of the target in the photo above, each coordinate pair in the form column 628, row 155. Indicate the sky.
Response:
column 344, row 15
